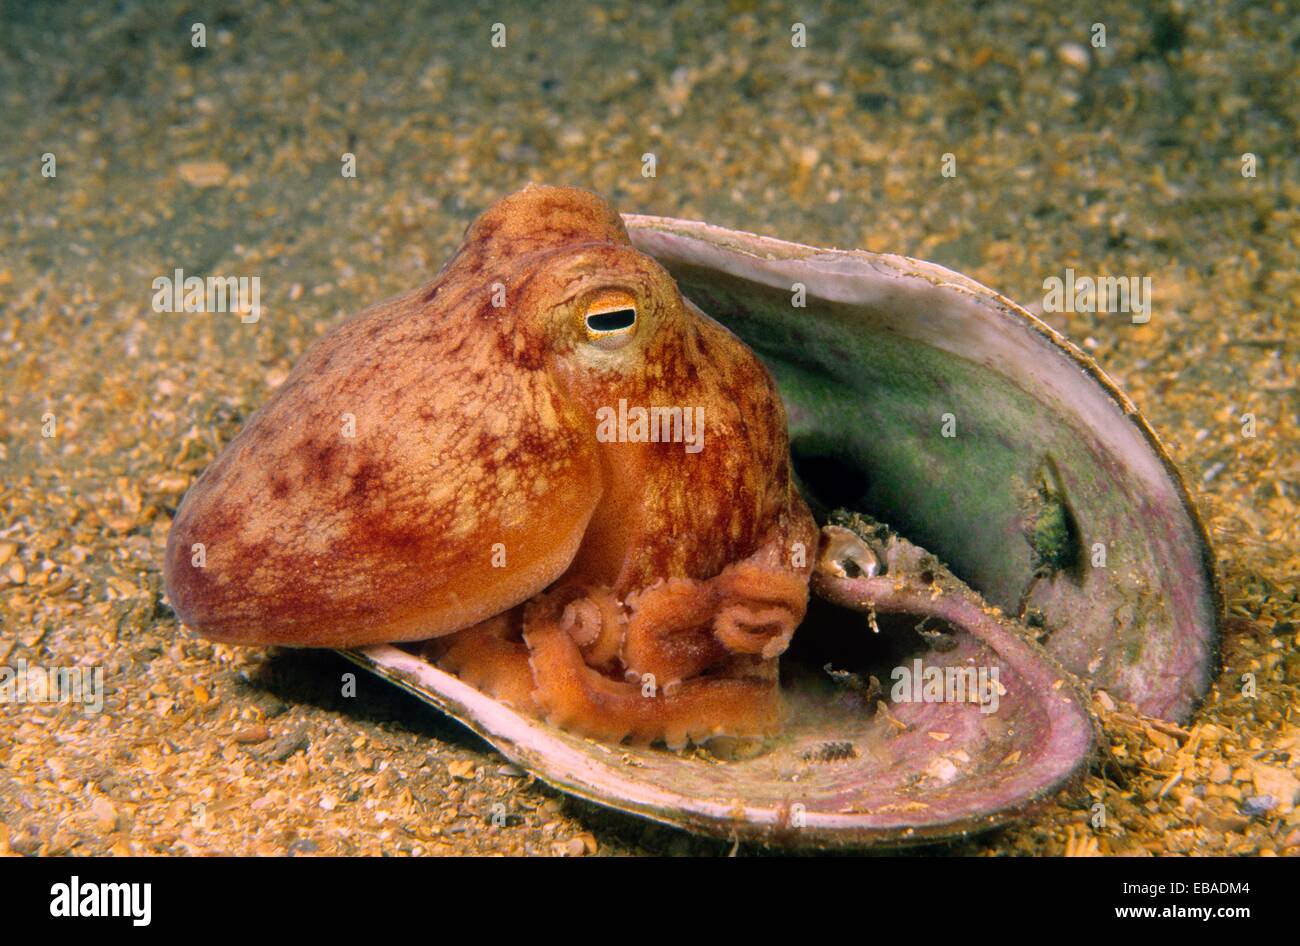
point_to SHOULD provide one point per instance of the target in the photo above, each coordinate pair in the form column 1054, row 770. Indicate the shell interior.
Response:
column 934, row 404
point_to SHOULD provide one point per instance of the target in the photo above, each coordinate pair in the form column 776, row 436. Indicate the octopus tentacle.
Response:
column 596, row 622
column 680, row 627
column 490, row 656
column 669, row 634
column 680, row 661
column 578, row 698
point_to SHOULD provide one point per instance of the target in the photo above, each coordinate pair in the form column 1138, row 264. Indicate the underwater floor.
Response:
column 1123, row 159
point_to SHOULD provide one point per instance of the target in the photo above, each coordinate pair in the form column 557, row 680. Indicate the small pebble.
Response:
column 203, row 173
column 287, row 745
column 1222, row 823
column 1257, row 805
column 105, row 814
column 574, row 847
column 1074, row 55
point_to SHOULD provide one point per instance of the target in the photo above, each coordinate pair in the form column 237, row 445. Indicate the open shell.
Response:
column 882, row 349
column 885, row 347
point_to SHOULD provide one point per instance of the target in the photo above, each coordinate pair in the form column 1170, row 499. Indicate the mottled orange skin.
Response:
column 475, row 436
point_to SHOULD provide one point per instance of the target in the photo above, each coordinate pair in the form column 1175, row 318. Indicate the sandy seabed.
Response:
column 1125, row 159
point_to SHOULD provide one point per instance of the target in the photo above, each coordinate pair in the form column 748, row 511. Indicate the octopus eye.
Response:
column 611, row 320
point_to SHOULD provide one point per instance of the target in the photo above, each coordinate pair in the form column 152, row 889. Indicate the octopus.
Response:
column 546, row 470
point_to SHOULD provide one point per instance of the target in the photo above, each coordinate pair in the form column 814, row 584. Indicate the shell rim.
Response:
column 419, row 678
